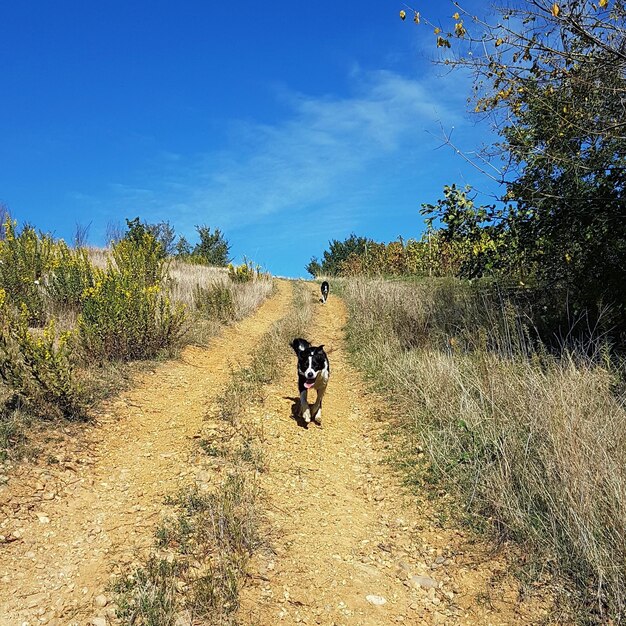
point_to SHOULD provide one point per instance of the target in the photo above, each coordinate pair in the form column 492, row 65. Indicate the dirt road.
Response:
column 350, row 546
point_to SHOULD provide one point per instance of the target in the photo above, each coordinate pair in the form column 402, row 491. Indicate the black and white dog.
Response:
column 325, row 289
column 313, row 373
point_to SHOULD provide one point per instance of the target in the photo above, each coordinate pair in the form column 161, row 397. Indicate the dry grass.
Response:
column 191, row 284
column 535, row 444
column 247, row 297
column 100, row 257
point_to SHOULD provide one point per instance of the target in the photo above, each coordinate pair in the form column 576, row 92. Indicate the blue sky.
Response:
column 283, row 124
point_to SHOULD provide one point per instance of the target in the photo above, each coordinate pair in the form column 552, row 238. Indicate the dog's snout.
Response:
column 310, row 374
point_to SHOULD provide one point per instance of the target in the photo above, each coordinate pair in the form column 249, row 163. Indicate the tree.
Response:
column 165, row 234
column 212, row 249
column 182, row 249
column 474, row 230
column 340, row 251
column 314, row 267
column 552, row 78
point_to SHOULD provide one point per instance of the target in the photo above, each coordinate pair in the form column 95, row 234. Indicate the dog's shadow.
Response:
column 295, row 412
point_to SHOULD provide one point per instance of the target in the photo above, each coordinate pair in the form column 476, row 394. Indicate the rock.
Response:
column 376, row 600
column 422, row 581
column 98, row 621
column 101, row 600
column 403, row 570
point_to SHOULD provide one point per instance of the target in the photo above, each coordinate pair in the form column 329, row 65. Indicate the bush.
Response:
column 37, row 368
column 215, row 302
column 123, row 319
column 25, row 258
column 244, row 273
column 141, row 258
column 72, row 274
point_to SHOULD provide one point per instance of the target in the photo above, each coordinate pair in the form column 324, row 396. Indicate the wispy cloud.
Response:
column 319, row 152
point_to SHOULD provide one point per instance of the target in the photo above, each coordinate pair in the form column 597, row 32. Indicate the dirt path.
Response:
column 351, row 547
column 62, row 524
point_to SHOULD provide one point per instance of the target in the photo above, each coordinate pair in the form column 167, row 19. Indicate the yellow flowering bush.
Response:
column 36, row 366
column 122, row 318
column 71, row 275
column 25, row 258
column 141, row 257
column 244, row 273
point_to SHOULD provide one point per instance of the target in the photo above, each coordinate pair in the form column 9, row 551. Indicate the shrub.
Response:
column 72, row 274
column 25, row 258
column 37, row 368
column 244, row 273
column 215, row 302
column 123, row 319
column 140, row 255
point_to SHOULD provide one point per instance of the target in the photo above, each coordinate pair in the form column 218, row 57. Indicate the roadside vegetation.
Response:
column 72, row 319
column 198, row 562
column 532, row 443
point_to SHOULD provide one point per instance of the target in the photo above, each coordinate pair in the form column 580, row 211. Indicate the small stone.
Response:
column 101, row 600
column 98, row 621
column 376, row 600
column 422, row 581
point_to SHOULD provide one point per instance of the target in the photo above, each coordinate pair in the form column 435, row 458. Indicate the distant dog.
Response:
column 313, row 373
column 325, row 290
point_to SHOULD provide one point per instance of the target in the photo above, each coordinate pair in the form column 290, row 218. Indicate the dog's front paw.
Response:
column 306, row 416
column 318, row 417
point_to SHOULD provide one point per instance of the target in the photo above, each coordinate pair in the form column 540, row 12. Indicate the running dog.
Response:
column 313, row 373
column 325, row 290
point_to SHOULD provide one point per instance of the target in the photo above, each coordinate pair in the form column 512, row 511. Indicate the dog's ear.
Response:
column 300, row 345
column 320, row 348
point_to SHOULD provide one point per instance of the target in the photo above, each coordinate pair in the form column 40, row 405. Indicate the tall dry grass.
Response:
column 186, row 278
column 534, row 443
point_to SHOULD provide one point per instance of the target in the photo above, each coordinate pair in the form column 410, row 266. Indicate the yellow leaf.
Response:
column 499, row 42
column 555, row 10
column 437, row 30
column 603, row 3
column 456, row 16
column 402, row 15
column 416, row 17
